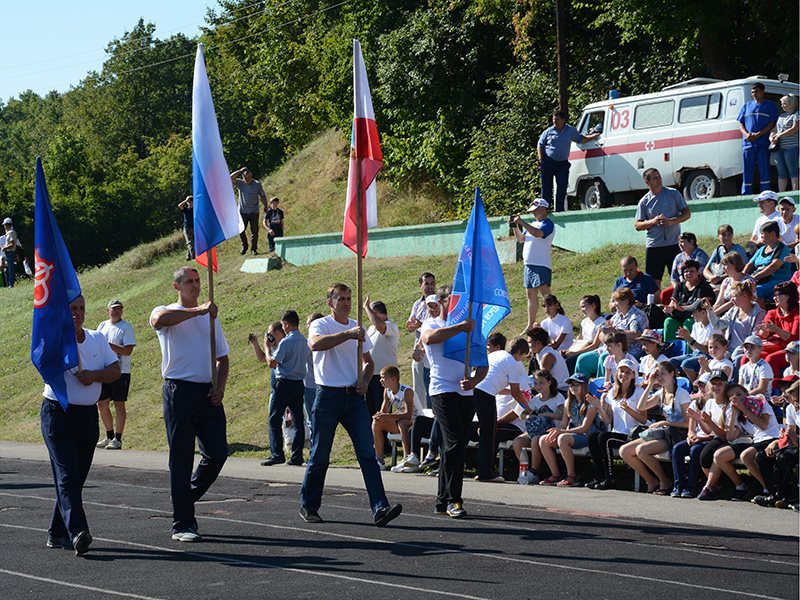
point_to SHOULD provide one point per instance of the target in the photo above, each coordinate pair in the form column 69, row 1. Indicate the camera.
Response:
column 270, row 338
column 250, row 337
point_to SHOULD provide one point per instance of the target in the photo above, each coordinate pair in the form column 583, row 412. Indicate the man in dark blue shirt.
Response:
column 641, row 284
column 756, row 120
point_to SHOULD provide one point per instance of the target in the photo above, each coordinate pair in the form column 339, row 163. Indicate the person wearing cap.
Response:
column 652, row 343
column 641, row 284
column 690, row 294
column 756, row 119
column 755, row 375
column 768, row 266
column 793, row 358
column 9, row 250
column 788, row 221
column 537, row 253
column 553, row 152
column 714, row 271
column 617, row 407
column 767, row 206
column 686, row 479
column 122, row 339
column 250, row 193
column 660, row 213
column 420, row 367
column 385, row 337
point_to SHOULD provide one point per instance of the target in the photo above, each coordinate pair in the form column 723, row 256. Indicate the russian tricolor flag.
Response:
column 365, row 147
column 216, row 214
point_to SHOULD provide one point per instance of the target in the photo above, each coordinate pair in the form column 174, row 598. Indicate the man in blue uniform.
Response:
column 756, row 120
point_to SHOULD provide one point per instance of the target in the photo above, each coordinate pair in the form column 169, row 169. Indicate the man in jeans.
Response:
column 250, row 193
column 289, row 361
column 340, row 399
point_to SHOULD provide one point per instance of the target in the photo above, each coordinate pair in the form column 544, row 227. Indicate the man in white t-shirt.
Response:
column 767, row 206
column 537, row 253
column 385, row 337
column 192, row 404
column 451, row 394
column 70, row 435
column 341, row 385
column 122, row 339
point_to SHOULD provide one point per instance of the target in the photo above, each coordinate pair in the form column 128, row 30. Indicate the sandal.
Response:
column 661, row 492
column 568, row 481
column 552, row 480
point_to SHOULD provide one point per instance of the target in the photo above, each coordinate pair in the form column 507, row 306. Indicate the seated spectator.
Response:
column 556, row 324
column 741, row 321
column 793, row 357
column 733, row 266
column 696, row 340
column 545, row 407
column 718, row 351
column 651, row 340
column 422, row 427
column 780, row 326
column 689, row 294
column 767, row 205
column 640, row 454
column 510, row 400
column 641, row 284
column 716, row 419
column 714, row 271
column 755, row 375
column 754, row 418
column 685, row 480
column 767, row 265
column 789, row 221
column 396, row 414
column 592, row 321
column 548, row 359
column 687, row 242
column 577, row 424
column 618, row 410
column 617, row 350
column 778, row 460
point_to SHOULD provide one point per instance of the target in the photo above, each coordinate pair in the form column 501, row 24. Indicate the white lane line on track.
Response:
column 429, row 547
column 234, row 561
column 76, row 585
column 726, row 555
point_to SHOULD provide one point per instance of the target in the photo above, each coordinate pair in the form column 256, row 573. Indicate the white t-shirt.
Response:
column 559, row 369
column 504, row 369
column 790, row 415
column 788, row 236
column 775, row 216
column 539, row 251
column 589, row 328
column 701, row 333
column 750, row 374
column 446, row 373
column 649, row 364
column 772, row 431
column 384, row 345
column 397, row 402
column 698, row 430
column 338, row 366
column 186, row 347
column 507, row 402
column 723, row 364
column 789, row 371
column 720, row 413
column 121, row 334
column 623, row 422
column 95, row 354
column 556, row 326
column 610, row 365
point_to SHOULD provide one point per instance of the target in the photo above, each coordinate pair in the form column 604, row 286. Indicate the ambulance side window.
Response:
column 593, row 122
column 700, row 108
column 656, row 114
column 734, row 102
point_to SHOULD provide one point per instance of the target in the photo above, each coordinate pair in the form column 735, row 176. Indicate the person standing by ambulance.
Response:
column 756, row 119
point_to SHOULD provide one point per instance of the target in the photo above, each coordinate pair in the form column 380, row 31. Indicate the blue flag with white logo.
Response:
column 54, row 348
column 479, row 279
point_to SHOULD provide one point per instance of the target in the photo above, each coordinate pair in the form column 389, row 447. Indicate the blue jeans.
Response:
column 332, row 407
column 786, row 161
column 687, row 361
column 559, row 170
column 10, row 267
column 680, row 451
column 309, row 394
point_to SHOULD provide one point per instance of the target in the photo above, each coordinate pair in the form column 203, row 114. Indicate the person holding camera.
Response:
column 272, row 337
column 537, row 252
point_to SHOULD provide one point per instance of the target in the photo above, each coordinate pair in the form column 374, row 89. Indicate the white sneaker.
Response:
column 114, row 444
column 381, row 465
column 102, row 443
column 411, row 464
column 187, row 535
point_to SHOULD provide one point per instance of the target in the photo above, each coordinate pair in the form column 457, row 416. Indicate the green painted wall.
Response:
column 577, row 231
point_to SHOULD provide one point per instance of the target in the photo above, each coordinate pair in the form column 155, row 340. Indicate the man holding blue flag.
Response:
column 73, row 362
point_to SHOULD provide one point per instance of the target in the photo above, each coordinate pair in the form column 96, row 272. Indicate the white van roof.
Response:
column 697, row 84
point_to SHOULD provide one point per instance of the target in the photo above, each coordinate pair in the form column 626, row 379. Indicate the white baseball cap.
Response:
column 539, row 203
column 432, row 299
column 766, row 195
column 7, row 221
column 630, row 364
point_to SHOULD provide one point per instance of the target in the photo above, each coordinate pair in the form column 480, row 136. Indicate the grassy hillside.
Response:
column 313, row 183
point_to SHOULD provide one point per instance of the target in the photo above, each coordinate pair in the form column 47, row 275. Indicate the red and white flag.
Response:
column 365, row 147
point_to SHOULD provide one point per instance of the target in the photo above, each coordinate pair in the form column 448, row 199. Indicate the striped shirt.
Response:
column 249, row 194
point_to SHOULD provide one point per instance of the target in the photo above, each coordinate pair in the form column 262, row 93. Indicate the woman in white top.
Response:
column 548, row 359
column 590, row 325
column 640, row 454
column 556, row 324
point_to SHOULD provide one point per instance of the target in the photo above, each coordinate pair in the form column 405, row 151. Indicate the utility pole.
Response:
column 561, row 53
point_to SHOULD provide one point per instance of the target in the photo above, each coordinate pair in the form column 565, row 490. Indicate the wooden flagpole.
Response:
column 213, row 333
column 359, row 259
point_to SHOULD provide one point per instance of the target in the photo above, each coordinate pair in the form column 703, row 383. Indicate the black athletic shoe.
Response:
column 606, row 484
column 272, row 461
column 294, row 463
column 243, row 251
column 386, row 514
column 740, row 495
column 81, row 543
column 309, row 516
column 59, row 542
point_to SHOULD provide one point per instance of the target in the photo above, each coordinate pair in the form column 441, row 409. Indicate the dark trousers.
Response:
column 331, row 408
column 288, row 394
column 506, row 431
column 707, row 453
column 271, row 238
column 601, row 448
column 374, row 395
column 686, row 480
column 778, row 472
column 70, row 438
column 252, row 220
column 486, row 409
column 189, row 414
column 425, row 427
column 11, row 267
column 454, row 413
column 558, row 170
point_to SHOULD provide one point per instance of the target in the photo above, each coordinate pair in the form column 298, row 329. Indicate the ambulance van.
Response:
column 688, row 131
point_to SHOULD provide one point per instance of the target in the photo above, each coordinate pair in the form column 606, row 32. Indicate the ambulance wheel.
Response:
column 700, row 185
column 594, row 195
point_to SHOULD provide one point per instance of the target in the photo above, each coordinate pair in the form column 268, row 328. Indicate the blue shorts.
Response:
column 536, row 275
column 579, row 440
